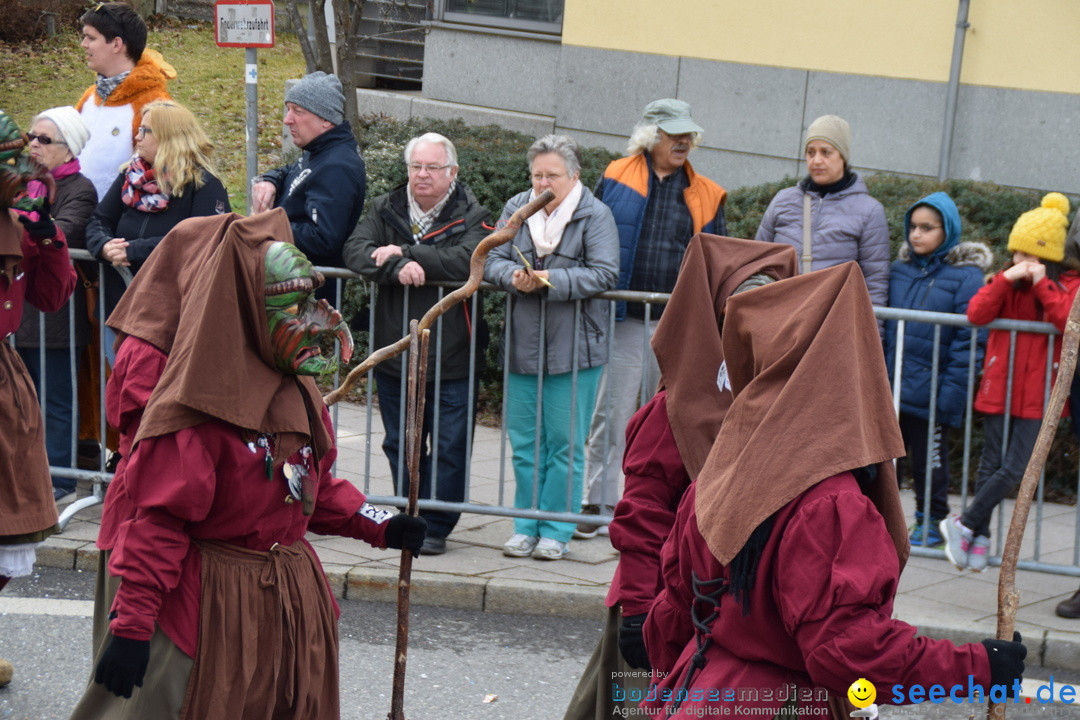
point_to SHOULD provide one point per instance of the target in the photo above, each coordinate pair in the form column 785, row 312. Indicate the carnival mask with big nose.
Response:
column 299, row 323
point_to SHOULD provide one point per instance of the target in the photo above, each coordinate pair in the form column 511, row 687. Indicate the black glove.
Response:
column 632, row 642
column 123, row 665
column 1006, row 659
column 404, row 531
column 43, row 228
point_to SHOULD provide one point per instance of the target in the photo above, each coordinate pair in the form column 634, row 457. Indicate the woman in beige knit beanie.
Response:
column 829, row 217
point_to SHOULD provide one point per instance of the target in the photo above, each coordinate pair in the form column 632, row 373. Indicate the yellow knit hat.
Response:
column 1041, row 232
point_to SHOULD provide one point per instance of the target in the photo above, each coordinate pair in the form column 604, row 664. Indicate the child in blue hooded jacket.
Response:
column 935, row 272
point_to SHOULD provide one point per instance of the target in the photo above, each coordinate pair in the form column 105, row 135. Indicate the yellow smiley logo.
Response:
column 862, row 693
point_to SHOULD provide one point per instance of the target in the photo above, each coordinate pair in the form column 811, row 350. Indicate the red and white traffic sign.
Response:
column 244, row 23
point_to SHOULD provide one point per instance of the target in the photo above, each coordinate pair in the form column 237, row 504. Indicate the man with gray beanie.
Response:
column 322, row 192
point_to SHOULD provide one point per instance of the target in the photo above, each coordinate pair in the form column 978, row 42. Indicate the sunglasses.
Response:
column 43, row 139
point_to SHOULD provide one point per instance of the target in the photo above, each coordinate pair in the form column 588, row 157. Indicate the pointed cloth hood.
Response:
column 687, row 340
column 812, row 400
column 221, row 365
column 150, row 307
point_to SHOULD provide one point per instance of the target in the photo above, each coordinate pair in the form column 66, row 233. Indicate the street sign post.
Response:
column 248, row 24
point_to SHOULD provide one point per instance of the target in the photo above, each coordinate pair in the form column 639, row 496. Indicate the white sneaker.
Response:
column 958, row 539
column 548, row 549
column 519, row 545
column 977, row 554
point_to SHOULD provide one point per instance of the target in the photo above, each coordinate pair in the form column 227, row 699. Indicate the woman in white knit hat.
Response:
column 57, row 136
column 845, row 223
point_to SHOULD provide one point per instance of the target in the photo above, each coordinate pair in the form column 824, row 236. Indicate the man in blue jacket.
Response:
column 322, row 192
column 659, row 203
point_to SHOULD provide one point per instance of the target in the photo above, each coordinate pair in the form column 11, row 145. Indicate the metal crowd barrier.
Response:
column 98, row 478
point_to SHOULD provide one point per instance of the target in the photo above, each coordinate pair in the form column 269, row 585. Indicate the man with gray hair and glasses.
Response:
column 659, row 203
column 420, row 232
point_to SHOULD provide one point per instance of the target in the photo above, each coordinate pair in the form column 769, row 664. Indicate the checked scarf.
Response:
column 141, row 190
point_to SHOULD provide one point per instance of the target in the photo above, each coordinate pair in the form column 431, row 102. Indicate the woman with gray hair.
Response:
column 57, row 136
column 829, row 216
column 557, row 339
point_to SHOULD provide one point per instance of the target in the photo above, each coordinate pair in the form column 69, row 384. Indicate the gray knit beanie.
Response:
column 321, row 94
column 834, row 130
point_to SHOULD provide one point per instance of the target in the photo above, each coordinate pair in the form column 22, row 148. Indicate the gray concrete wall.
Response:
column 753, row 116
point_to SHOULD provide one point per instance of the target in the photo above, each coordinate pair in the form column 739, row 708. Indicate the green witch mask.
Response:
column 298, row 323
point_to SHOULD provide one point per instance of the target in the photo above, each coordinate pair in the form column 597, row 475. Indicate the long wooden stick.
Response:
column 1008, row 595
column 414, row 420
column 476, row 275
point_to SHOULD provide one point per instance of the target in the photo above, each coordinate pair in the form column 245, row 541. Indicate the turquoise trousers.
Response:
column 547, row 435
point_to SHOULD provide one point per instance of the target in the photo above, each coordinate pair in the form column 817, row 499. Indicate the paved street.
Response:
column 456, row 659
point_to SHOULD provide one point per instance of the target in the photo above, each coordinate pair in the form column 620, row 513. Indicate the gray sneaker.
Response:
column 520, row 545
column 958, row 540
column 978, row 554
column 550, row 549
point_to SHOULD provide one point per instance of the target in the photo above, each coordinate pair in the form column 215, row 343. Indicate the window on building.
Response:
column 535, row 15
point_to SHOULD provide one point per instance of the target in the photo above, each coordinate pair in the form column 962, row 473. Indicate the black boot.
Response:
column 1069, row 608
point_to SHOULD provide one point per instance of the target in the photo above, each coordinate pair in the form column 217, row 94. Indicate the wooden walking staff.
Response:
column 414, row 421
column 1008, row 595
column 476, row 275
column 417, row 342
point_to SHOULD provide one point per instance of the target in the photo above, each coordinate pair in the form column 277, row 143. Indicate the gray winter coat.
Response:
column 585, row 263
column 846, row 225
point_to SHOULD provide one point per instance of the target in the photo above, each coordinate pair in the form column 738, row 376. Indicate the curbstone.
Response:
column 59, row 553
column 86, row 557
column 524, row 597
column 428, row 588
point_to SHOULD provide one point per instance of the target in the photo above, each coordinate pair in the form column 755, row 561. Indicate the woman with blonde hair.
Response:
column 170, row 178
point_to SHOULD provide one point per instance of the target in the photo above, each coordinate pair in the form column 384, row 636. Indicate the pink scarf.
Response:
column 36, row 188
column 141, row 190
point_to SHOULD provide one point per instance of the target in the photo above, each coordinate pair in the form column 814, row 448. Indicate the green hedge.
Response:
column 492, row 163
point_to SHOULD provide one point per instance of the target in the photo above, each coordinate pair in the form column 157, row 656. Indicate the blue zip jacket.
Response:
column 323, row 193
column 943, row 281
column 625, row 189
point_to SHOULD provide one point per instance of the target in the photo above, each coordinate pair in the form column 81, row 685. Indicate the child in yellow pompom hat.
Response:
column 1034, row 286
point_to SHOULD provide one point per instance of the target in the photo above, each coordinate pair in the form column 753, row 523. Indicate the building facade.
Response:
column 756, row 72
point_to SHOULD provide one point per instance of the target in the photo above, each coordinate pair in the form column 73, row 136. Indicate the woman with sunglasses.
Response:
column 57, row 136
column 170, row 178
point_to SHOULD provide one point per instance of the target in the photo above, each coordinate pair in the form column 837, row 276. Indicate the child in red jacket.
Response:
column 1034, row 286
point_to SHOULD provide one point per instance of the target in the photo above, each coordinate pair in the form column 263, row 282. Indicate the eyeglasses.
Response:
column 415, row 168
column 540, row 177
column 143, row 130
column 923, row 228
column 44, row 139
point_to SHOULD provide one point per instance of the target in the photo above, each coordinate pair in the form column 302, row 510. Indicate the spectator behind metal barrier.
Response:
column 323, row 192
column 562, row 256
column 1035, row 285
column 170, row 178
column 57, row 136
column 658, row 203
column 845, row 222
column 936, row 272
column 426, row 230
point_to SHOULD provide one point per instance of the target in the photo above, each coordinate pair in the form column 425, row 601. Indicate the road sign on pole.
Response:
column 248, row 24
column 244, row 23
